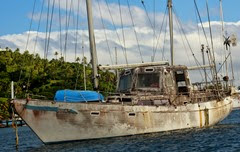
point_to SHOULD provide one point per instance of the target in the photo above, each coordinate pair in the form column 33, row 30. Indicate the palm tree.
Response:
column 77, row 59
column 56, row 54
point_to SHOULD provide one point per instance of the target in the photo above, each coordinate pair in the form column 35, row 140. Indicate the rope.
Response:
column 135, row 31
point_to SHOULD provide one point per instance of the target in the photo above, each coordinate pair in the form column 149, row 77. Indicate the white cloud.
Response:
column 183, row 55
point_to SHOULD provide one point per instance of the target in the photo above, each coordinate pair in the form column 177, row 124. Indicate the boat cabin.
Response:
column 153, row 83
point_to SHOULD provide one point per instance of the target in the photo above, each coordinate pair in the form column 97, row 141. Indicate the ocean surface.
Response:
column 223, row 137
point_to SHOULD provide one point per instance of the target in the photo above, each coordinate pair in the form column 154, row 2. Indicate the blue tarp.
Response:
column 77, row 96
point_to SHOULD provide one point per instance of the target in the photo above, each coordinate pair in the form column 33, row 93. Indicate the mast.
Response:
column 169, row 5
column 92, row 43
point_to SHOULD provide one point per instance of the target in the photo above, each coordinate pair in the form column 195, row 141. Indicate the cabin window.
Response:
column 148, row 80
column 125, row 82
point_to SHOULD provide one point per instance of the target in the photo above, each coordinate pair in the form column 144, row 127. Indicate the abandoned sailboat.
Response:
column 150, row 97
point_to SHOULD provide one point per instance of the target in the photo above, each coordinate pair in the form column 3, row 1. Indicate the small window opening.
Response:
column 131, row 114
column 95, row 113
column 149, row 70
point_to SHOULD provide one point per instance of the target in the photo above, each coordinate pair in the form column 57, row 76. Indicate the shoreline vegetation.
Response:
column 41, row 78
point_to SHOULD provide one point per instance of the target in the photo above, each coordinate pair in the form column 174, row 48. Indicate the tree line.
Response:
column 41, row 78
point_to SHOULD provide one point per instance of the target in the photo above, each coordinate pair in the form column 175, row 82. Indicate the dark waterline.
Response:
column 222, row 137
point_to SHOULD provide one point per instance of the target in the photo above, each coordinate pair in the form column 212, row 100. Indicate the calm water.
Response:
column 222, row 137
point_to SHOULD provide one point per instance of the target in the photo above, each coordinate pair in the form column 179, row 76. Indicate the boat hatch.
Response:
column 125, row 82
column 181, row 82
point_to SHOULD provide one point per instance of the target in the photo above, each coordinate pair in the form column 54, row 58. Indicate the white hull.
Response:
column 59, row 122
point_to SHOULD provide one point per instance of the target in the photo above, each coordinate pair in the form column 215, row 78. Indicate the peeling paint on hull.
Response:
column 59, row 122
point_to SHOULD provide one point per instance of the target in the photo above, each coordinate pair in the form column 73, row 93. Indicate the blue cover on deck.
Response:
column 77, row 96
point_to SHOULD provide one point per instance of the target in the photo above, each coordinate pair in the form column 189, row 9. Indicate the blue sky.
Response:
column 15, row 21
column 15, row 14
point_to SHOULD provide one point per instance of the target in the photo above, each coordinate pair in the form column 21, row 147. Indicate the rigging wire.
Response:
column 77, row 59
column 210, row 29
column 205, row 35
column 60, row 27
column 199, row 39
column 154, row 26
column 50, row 28
column 200, row 19
column 222, row 36
column 76, row 34
column 184, row 33
column 151, row 24
column 45, row 47
column 164, row 41
column 104, row 30
column 124, row 43
column 185, row 48
column 38, row 28
column 214, row 60
column 156, row 47
column 68, row 17
column 34, row 5
column 135, row 31
column 114, row 25
column 145, row 9
column 66, row 30
column 35, row 44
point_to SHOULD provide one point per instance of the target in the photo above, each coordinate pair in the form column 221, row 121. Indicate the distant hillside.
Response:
column 42, row 78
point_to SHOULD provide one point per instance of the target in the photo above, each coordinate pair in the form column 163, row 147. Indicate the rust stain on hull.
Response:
column 117, row 120
column 200, row 117
column 206, row 115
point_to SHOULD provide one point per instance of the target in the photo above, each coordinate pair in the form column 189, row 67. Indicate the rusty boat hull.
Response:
column 60, row 122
